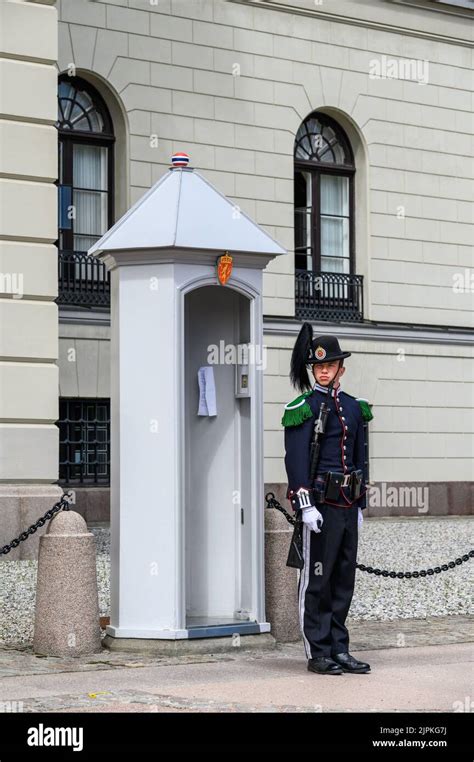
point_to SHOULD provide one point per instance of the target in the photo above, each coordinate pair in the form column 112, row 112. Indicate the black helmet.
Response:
column 308, row 351
column 325, row 349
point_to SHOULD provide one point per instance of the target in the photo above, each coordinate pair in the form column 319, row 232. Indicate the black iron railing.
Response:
column 83, row 280
column 328, row 296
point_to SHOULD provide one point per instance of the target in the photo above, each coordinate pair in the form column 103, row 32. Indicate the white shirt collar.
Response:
column 325, row 389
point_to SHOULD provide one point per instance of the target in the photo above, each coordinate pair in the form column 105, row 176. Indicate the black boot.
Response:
column 349, row 663
column 324, row 665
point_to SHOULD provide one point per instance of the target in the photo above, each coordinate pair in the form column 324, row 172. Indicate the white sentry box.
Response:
column 187, row 502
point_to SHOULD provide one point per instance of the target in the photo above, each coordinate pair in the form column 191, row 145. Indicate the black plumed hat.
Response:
column 308, row 351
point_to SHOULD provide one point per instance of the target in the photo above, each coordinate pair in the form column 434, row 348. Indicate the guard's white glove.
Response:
column 360, row 517
column 312, row 517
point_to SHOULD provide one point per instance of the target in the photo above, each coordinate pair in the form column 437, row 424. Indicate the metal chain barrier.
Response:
column 272, row 502
column 61, row 505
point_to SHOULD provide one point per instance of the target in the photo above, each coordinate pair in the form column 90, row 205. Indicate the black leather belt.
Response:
column 334, row 481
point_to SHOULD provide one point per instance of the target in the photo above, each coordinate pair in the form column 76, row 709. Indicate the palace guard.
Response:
column 325, row 465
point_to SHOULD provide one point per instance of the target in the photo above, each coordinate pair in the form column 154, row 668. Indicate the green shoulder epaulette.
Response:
column 297, row 411
column 366, row 408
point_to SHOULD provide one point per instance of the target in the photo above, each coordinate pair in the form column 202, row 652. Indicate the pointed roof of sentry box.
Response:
column 184, row 210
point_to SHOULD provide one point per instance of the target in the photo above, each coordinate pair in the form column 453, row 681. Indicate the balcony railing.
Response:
column 328, row 296
column 84, row 281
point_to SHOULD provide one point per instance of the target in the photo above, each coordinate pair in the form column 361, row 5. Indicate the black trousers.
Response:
column 326, row 582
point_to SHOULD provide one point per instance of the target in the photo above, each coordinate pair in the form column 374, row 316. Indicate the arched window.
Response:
column 85, row 169
column 85, row 191
column 324, row 197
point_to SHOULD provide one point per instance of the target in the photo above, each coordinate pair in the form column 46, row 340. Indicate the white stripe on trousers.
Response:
column 304, row 585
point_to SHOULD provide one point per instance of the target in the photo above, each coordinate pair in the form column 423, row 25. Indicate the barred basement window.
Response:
column 84, row 441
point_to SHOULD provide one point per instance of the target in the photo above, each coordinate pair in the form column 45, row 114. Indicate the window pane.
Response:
column 303, row 216
column 76, row 113
column 60, row 162
column 91, row 213
column 91, row 218
column 89, row 166
column 318, row 141
column 334, row 222
column 65, row 90
column 78, row 109
column 83, row 99
column 65, row 202
column 82, row 244
column 89, row 198
column 334, row 195
column 334, row 237
column 335, row 265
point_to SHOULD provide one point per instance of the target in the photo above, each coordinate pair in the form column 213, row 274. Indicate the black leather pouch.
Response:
column 356, row 483
column 333, row 485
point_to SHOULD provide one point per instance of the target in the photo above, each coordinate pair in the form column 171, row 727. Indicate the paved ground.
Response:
column 417, row 665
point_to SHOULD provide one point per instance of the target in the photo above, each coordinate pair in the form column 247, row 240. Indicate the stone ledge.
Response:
column 155, row 647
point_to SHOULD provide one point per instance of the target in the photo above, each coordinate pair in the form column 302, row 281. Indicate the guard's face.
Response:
column 325, row 372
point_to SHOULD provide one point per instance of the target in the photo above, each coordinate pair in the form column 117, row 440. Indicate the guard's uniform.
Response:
column 326, row 583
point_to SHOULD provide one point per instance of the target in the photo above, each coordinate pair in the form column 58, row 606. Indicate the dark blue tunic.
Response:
column 342, row 447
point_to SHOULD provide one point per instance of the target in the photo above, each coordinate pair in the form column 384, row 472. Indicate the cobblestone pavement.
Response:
column 406, row 633
column 417, row 665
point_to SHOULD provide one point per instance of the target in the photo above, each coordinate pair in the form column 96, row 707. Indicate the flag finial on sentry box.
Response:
column 179, row 159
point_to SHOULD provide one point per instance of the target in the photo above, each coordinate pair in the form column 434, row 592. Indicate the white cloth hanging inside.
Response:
column 207, row 391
